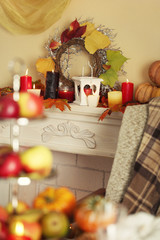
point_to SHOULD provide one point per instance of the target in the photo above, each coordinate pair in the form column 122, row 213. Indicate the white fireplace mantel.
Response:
column 74, row 131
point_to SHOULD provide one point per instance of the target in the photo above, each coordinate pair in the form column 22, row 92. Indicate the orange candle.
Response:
column 114, row 98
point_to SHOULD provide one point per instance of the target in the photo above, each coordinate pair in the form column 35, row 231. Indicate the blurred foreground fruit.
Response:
column 30, row 105
column 95, row 212
column 21, row 208
column 54, row 225
column 24, row 229
column 3, row 231
column 3, row 214
column 37, row 159
column 10, row 164
column 29, row 215
column 8, row 107
column 56, row 199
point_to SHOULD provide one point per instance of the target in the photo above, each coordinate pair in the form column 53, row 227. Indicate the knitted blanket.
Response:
column 143, row 192
column 130, row 136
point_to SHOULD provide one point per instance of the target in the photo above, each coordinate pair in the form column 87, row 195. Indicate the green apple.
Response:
column 54, row 225
column 37, row 159
column 30, row 105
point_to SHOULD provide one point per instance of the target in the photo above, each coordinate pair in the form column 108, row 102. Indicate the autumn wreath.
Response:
column 107, row 61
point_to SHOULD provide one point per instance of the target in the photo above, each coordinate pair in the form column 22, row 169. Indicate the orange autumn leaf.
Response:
column 116, row 108
column 105, row 113
column 106, row 67
column 54, row 45
column 59, row 103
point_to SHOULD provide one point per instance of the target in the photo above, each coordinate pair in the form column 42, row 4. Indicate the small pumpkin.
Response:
column 154, row 72
column 55, row 199
column 143, row 92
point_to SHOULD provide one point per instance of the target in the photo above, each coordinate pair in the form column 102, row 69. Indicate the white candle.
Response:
column 34, row 90
column 93, row 100
column 114, row 98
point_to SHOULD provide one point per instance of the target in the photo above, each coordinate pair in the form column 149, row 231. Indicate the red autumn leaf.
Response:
column 74, row 25
column 54, row 45
column 74, row 31
column 59, row 103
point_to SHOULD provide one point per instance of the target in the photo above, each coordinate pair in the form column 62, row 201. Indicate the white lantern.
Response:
column 80, row 83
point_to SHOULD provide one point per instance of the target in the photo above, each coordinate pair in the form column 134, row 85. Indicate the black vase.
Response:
column 52, row 83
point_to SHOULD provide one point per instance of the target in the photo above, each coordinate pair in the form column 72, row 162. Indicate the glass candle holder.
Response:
column 66, row 92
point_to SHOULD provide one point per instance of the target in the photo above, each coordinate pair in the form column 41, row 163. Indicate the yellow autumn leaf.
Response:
column 96, row 40
column 44, row 65
column 90, row 28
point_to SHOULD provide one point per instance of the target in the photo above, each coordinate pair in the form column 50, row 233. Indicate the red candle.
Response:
column 127, row 92
column 25, row 82
column 66, row 94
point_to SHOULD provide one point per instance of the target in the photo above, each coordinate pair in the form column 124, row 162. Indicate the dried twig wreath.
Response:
column 105, row 60
column 95, row 58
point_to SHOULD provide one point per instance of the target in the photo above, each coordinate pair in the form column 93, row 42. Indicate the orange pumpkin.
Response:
column 145, row 92
column 56, row 199
column 154, row 72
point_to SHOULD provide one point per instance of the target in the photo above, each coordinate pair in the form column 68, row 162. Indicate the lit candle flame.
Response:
column 127, row 80
column 34, row 86
column 26, row 71
column 19, row 229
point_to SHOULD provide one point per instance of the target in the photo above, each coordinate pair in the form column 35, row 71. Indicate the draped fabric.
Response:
column 30, row 16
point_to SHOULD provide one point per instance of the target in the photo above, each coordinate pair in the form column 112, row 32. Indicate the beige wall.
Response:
column 135, row 22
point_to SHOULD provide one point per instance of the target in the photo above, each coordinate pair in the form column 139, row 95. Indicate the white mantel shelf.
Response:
column 75, row 131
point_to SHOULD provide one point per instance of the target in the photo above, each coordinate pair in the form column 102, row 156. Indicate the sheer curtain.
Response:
column 30, row 16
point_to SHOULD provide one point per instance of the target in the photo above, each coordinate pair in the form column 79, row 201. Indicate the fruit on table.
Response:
column 37, row 159
column 24, row 229
column 10, row 164
column 29, row 215
column 8, row 107
column 21, row 207
column 95, row 212
column 3, row 231
column 54, row 225
column 30, row 105
column 3, row 214
column 56, row 199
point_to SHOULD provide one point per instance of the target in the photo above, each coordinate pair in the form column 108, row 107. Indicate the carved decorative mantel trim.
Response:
column 69, row 129
column 3, row 126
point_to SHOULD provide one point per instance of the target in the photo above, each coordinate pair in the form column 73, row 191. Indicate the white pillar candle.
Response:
column 34, row 91
column 114, row 98
column 93, row 100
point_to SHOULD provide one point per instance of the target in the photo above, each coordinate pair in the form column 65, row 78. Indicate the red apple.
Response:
column 3, row 231
column 10, row 164
column 3, row 214
column 30, row 105
column 21, row 228
column 8, row 107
